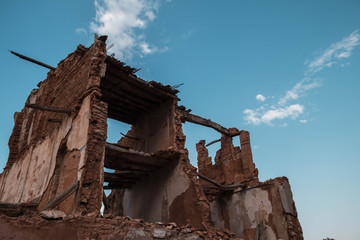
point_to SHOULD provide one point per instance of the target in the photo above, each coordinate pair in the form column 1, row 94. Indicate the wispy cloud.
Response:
column 299, row 89
column 123, row 21
column 336, row 52
column 81, row 31
column 281, row 109
column 185, row 36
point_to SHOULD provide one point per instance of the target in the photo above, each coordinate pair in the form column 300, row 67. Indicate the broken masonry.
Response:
column 59, row 158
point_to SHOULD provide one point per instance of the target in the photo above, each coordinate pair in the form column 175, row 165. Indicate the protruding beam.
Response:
column 32, row 60
column 116, row 177
column 220, row 186
column 128, row 155
column 48, row 108
column 202, row 121
column 218, row 140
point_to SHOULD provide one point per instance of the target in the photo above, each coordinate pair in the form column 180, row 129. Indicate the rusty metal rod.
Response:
column 32, row 60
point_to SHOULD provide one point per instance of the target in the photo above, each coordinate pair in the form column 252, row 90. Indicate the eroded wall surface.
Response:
column 171, row 194
column 259, row 212
column 50, row 150
column 251, row 209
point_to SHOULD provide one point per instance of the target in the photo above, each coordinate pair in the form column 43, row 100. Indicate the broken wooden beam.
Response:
column 48, row 108
column 202, row 121
column 116, row 177
column 57, row 200
column 220, row 186
column 131, row 156
column 32, row 60
column 215, row 141
column 118, row 165
column 129, row 136
column 218, row 140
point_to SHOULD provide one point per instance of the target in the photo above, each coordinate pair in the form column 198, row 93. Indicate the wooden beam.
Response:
column 57, row 200
column 113, row 98
column 132, row 156
column 220, row 186
column 202, row 121
column 114, row 67
column 117, row 82
column 115, row 164
column 32, row 60
column 218, row 140
column 112, row 88
column 122, row 110
column 48, row 108
column 215, row 141
column 139, row 84
column 116, row 177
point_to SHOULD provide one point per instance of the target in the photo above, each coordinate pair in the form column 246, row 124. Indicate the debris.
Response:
column 52, row 214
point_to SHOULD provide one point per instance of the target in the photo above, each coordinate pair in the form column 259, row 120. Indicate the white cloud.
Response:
column 146, row 49
column 266, row 116
column 150, row 15
column 260, row 97
column 81, row 31
column 122, row 20
column 299, row 89
column 252, row 116
column 334, row 53
column 282, row 110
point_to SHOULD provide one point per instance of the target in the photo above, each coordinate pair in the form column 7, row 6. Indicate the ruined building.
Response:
column 59, row 160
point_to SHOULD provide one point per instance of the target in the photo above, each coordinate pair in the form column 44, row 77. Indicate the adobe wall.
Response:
column 50, row 151
column 171, row 194
column 251, row 209
column 267, row 211
column 154, row 131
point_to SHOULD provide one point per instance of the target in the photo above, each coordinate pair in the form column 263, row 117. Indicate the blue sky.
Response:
column 287, row 71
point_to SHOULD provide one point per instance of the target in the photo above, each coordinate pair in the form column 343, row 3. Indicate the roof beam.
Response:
column 32, row 60
column 186, row 116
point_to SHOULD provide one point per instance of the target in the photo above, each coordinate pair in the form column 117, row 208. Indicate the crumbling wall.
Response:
column 239, row 202
column 259, row 212
column 49, row 150
column 153, row 131
column 171, row 194
column 232, row 164
column 52, row 152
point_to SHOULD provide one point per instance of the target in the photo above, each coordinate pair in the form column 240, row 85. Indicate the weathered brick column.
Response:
column 248, row 164
column 91, row 183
